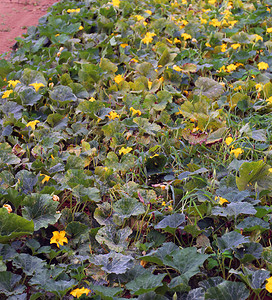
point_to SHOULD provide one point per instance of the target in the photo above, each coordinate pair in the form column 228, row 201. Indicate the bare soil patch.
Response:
column 16, row 16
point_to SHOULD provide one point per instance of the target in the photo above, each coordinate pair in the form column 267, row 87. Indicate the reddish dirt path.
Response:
column 16, row 16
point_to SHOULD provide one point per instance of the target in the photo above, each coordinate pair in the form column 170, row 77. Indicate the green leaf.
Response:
column 234, row 209
column 113, row 262
column 208, row 87
column 107, row 65
column 115, row 239
column 8, row 284
column 6, row 156
column 127, row 207
column 5, row 68
column 32, row 76
column 41, row 209
column 231, row 240
column 106, row 293
column 252, row 223
column 89, row 74
column 60, row 287
column 251, row 172
column 77, row 231
column 62, row 94
column 145, row 283
column 28, row 263
column 146, row 126
column 29, row 97
column 13, row 226
column 171, row 223
column 227, row 290
column 151, row 296
column 249, row 252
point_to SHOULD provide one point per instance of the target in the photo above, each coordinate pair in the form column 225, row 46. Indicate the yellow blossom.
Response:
column 215, row 23
column 113, row 115
column 203, row 21
column 258, row 38
column 270, row 170
column 115, row 3
column 263, row 66
column 259, row 87
column 184, row 1
column 224, row 48
column 32, row 124
column 231, row 68
column 177, row 41
column 237, row 152
column 148, row 12
column 269, row 100
column 135, row 111
column 221, row 200
column 186, row 36
column 134, row 60
column 139, row 18
column 80, row 27
column 118, row 78
column 208, row 45
column 148, row 37
column 268, row 286
column 78, row 292
column 73, row 10
column 222, row 69
column 124, row 45
column 8, row 208
column 58, row 238
column 163, row 203
column 46, row 178
column 235, row 46
column 92, row 99
column 13, row 83
column 124, row 150
column 7, row 94
column 269, row 30
column 212, row 2
column 232, row 23
column 177, row 68
column 149, row 83
column 37, row 85
column 228, row 140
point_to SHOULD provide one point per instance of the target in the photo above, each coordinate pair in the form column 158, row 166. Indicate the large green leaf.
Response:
column 105, row 292
column 41, row 209
column 28, row 263
column 127, row 207
column 171, row 223
column 9, row 284
column 227, row 290
column 29, row 97
column 255, row 171
column 253, row 223
column 146, row 126
column 234, row 209
column 32, row 76
column 248, row 252
column 62, row 94
column 208, row 87
column 145, row 283
column 6, row 155
column 113, row 262
column 115, row 239
column 13, row 226
column 231, row 240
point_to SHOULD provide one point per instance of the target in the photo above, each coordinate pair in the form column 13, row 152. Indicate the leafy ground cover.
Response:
column 136, row 151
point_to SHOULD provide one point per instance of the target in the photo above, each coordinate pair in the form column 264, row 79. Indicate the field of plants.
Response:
column 136, row 152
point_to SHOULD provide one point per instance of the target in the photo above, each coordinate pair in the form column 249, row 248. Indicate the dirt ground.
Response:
column 16, row 16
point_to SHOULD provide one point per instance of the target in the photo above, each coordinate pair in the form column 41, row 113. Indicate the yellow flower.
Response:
column 237, row 152
column 224, row 48
column 118, row 78
column 269, row 30
column 203, row 21
column 80, row 27
column 177, row 41
column 212, row 2
column 263, row 66
column 134, row 60
column 113, row 115
column 215, row 23
column 123, row 45
column 78, row 292
column 186, row 36
column 115, row 3
column 208, row 45
column 231, row 68
column 232, row 23
column 228, row 140
column 13, row 83
column 235, row 46
column 124, row 150
column 58, row 238
column 222, row 69
column 259, row 87
column 269, row 100
column 149, row 83
column 270, row 170
column 37, row 85
column 258, row 38
column 268, row 286
column 148, row 12
column 163, row 203
column 148, row 37
column 92, row 99
column 135, row 111
column 32, row 124
column 46, row 178
column 221, row 200
column 177, row 68
column 7, row 94
column 8, row 207
column 139, row 18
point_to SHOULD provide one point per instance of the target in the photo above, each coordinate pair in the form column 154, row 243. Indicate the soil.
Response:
column 16, row 16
